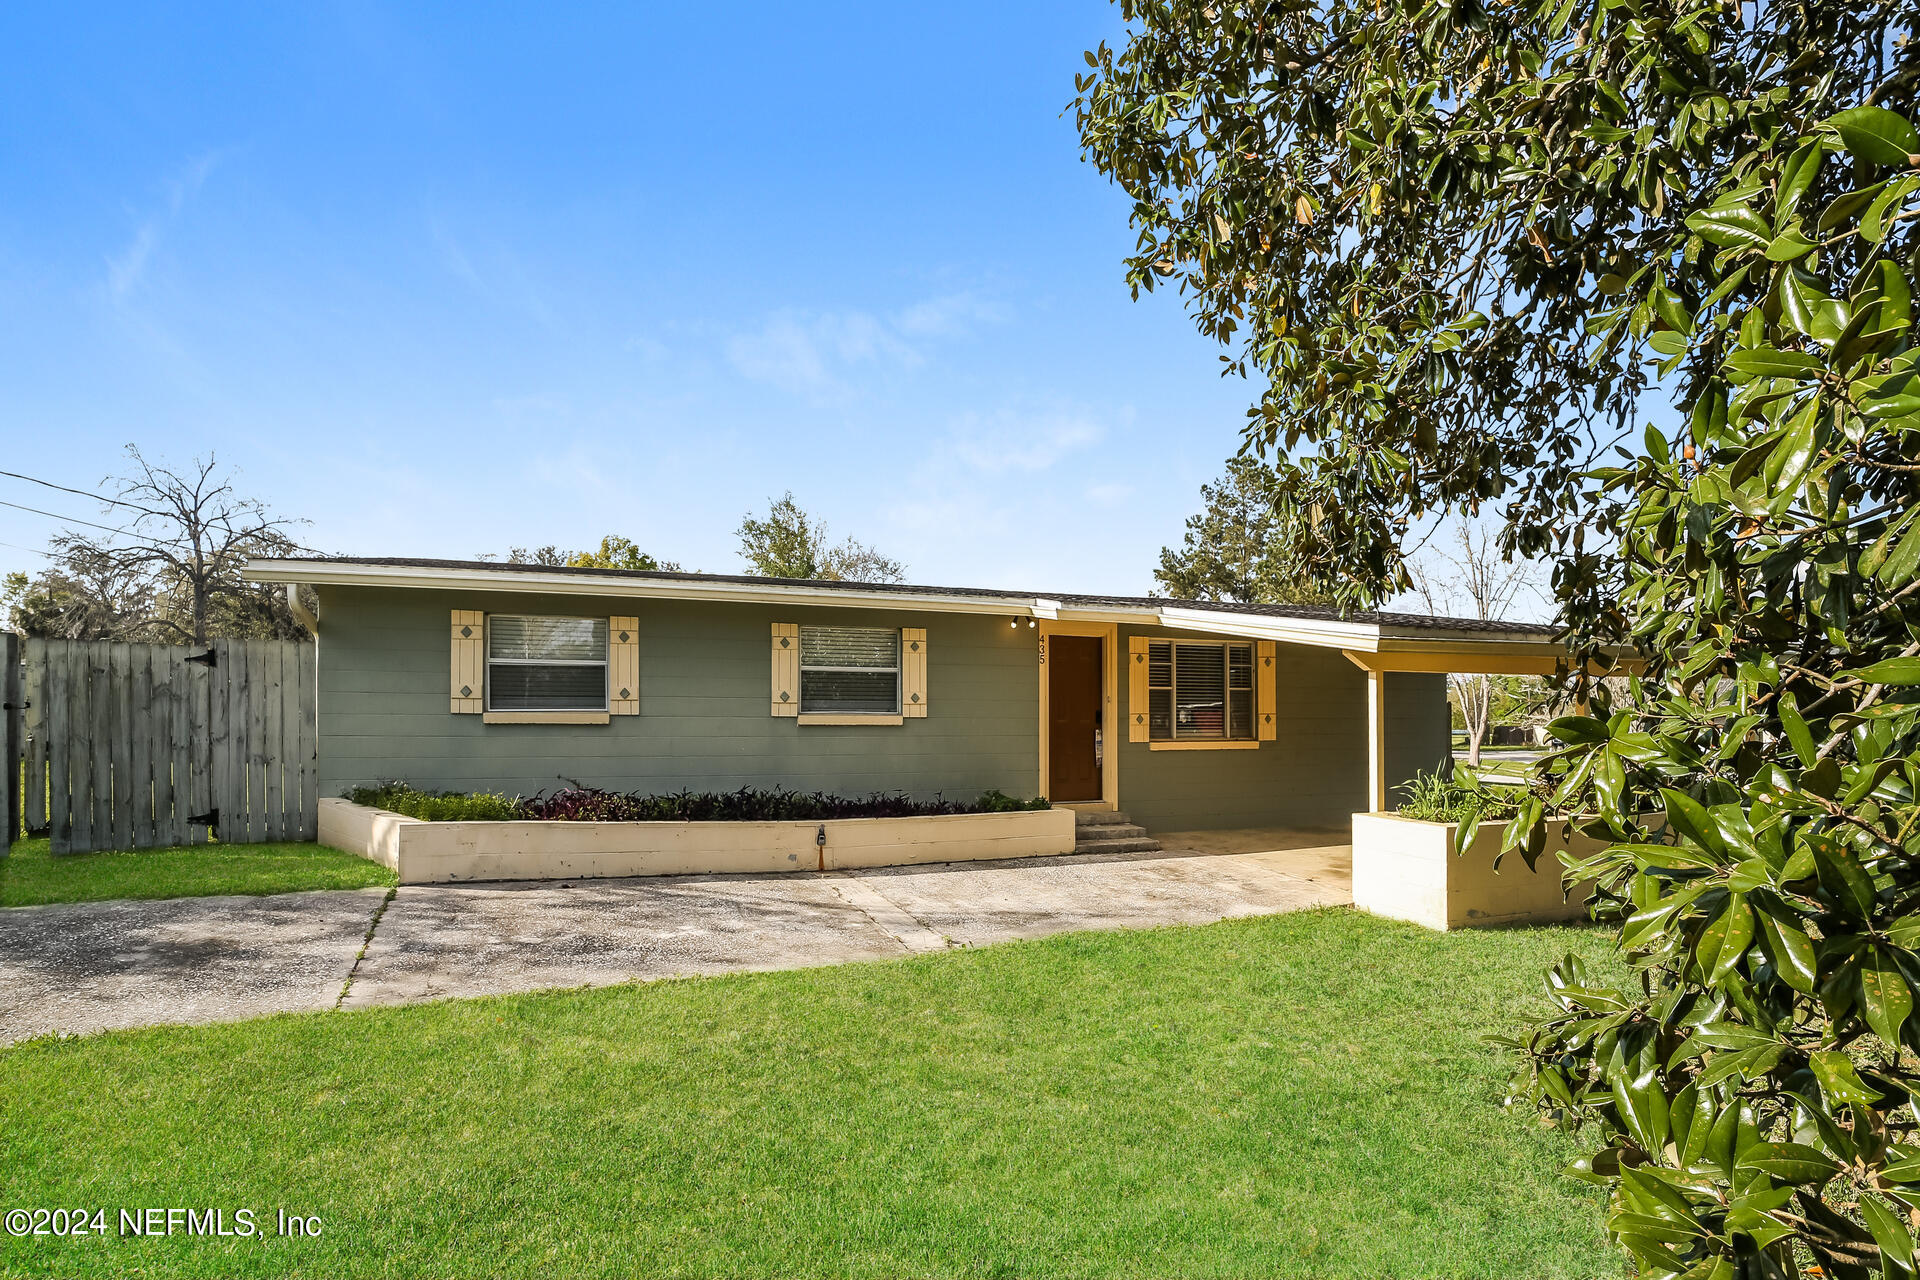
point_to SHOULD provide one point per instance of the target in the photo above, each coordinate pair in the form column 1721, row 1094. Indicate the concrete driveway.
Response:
column 95, row 966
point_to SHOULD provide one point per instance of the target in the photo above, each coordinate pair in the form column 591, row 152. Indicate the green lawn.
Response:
column 1301, row 1095
column 31, row 876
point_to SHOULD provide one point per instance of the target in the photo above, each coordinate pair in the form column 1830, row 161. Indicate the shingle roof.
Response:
column 1319, row 613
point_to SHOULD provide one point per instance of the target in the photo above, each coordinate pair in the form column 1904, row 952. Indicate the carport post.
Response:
column 1376, row 741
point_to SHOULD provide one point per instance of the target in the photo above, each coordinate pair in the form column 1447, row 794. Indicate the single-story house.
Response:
column 1188, row 714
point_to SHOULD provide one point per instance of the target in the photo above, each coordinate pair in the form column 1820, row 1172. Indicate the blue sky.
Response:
column 448, row 280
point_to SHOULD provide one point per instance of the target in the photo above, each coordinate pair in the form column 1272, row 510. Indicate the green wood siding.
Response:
column 1313, row 775
column 704, row 719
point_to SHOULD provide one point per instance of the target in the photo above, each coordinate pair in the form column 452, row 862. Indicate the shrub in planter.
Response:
column 1461, row 797
column 437, row 806
column 748, row 804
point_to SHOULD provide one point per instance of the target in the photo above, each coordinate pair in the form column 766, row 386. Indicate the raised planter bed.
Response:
column 449, row 852
column 1406, row 869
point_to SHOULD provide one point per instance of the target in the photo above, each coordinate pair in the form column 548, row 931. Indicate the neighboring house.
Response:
column 1187, row 714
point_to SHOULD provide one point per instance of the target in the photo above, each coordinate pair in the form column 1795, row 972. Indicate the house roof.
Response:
column 1365, row 631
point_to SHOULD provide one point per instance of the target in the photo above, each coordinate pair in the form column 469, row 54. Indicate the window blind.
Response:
column 546, row 664
column 1199, row 692
column 850, row 670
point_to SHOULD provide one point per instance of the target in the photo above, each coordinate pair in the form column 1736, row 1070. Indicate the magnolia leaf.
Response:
column 1789, row 246
column 1791, row 951
column 1885, row 997
column 1876, row 135
column 1896, row 296
column 1725, row 940
column 1801, row 168
column 1766, row 362
column 1789, row 1162
column 1840, row 1084
column 1905, row 932
column 1738, row 227
column 1841, row 874
column 1690, row 818
column 1889, row 1231
column 1903, row 1165
column 1798, row 736
column 1896, row 671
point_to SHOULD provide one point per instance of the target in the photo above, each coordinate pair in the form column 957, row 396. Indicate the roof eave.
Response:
column 353, row 574
column 1326, row 633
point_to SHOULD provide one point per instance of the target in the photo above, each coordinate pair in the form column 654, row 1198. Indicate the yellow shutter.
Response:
column 1136, row 689
column 623, row 666
column 913, row 671
column 469, row 664
column 1265, row 684
column 786, row 668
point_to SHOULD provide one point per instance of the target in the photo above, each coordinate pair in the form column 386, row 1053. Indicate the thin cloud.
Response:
column 494, row 273
column 1013, row 440
column 127, row 269
column 817, row 353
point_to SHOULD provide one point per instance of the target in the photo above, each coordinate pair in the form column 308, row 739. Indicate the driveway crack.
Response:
column 887, row 915
column 365, row 942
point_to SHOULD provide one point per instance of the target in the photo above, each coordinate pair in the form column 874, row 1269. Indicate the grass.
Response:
column 31, row 876
column 1300, row 1095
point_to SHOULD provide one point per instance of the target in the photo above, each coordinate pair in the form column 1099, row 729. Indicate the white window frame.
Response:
column 898, row 665
column 604, row 663
column 1172, row 690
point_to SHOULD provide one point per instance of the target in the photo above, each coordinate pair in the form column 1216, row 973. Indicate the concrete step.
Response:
column 1109, row 831
column 1126, row 844
column 1097, row 817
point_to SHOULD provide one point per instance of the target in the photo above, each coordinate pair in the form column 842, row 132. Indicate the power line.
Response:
column 32, row 551
column 15, row 475
column 53, row 515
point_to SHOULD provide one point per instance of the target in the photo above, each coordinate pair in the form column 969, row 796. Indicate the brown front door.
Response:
column 1073, row 717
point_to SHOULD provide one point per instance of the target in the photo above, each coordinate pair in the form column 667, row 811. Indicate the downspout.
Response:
column 301, row 614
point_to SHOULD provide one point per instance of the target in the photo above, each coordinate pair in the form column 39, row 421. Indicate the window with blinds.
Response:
column 849, row 670
column 1199, row 692
column 546, row 664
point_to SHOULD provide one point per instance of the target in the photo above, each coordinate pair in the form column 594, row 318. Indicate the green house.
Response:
column 1189, row 714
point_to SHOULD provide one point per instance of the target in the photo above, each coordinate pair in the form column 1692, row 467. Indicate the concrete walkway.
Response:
column 95, row 966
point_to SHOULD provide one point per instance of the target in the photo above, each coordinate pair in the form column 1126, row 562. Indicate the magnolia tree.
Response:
column 1468, row 249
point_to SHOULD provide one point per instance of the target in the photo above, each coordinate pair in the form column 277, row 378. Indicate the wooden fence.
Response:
column 132, row 746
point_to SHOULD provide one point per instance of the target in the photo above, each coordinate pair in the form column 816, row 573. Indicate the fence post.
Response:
column 11, row 738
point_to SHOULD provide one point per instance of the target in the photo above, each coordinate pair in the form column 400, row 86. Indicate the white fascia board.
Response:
column 1362, row 637
column 347, row 573
column 1322, row 632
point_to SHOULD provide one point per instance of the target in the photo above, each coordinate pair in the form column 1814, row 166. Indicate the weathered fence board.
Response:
column 124, row 745
column 36, row 753
column 12, row 739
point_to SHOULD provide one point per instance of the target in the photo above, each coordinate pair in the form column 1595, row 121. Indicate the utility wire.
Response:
column 15, row 475
column 52, row 515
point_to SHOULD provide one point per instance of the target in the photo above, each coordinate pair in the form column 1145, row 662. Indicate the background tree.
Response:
column 170, row 573
column 1473, row 580
column 78, row 596
column 614, row 552
column 790, row 543
column 1462, row 243
column 1235, row 549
